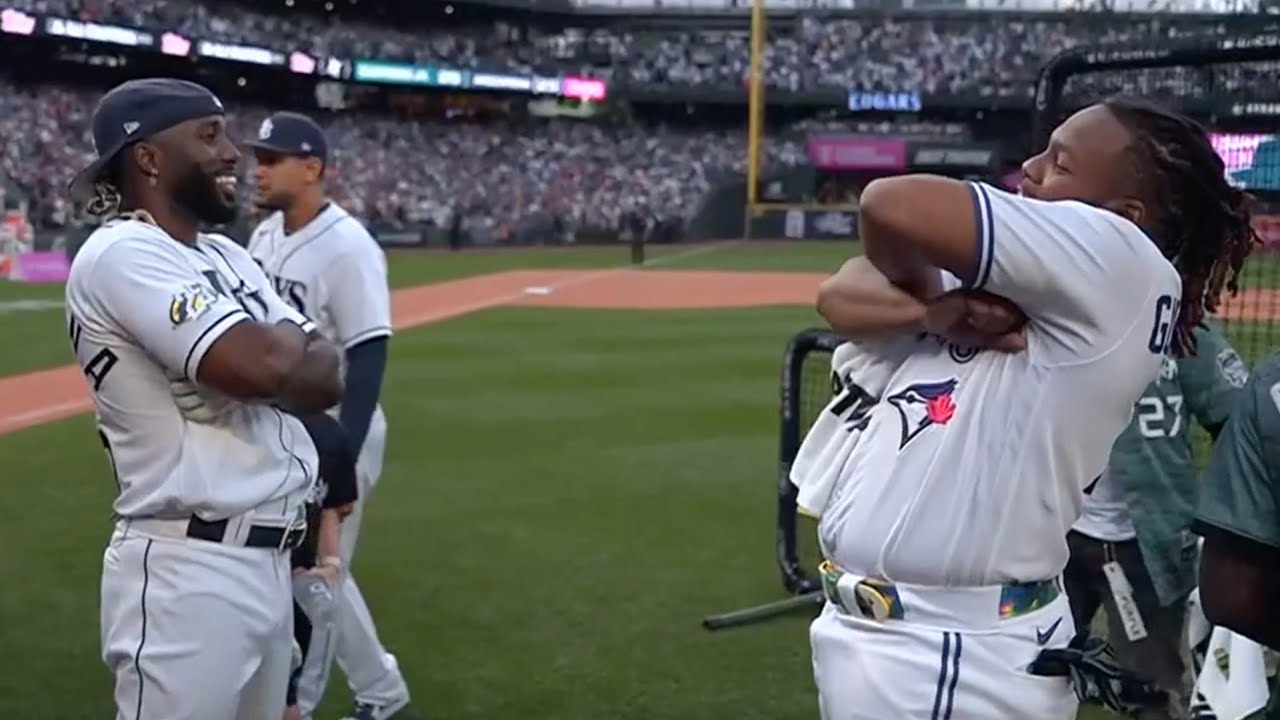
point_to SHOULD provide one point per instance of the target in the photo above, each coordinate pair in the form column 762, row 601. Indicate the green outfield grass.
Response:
column 566, row 494
column 37, row 338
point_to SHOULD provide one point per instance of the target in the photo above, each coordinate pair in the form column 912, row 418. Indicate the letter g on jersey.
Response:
column 189, row 303
column 923, row 405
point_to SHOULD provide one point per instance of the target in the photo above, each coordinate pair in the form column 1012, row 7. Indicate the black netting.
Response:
column 816, row 390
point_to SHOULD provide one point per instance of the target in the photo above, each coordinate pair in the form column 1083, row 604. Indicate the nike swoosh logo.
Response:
column 1043, row 637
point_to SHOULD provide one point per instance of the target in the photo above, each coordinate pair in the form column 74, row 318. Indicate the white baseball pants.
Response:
column 195, row 630
column 944, row 670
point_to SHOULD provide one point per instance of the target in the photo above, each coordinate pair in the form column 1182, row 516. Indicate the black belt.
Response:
column 260, row 536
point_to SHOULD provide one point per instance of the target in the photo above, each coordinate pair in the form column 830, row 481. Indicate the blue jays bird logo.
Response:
column 923, row 405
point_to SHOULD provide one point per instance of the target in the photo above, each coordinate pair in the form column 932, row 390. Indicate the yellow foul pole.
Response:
column 755, row 102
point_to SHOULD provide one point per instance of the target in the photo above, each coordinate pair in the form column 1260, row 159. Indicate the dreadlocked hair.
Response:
column 1200, row 221
column 106, row 198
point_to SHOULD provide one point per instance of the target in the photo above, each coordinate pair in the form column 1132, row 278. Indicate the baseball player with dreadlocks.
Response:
column 325, row 264
column 946, row 538
column 190, row 356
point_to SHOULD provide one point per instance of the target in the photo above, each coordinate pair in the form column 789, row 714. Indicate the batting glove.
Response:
column 195, row 404
column 1097, row 678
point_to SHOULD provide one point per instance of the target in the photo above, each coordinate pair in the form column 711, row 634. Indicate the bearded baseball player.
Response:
column 325, row 264
column 189, row 355
column 947, row 539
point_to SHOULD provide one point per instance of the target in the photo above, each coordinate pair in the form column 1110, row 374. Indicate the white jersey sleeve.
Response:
column 1077, row 271
column 358, row 299
column 166, row 306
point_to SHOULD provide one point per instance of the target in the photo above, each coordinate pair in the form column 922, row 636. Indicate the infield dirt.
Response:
column 45, row 396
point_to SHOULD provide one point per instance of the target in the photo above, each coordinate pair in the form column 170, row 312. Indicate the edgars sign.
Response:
column 892, row 101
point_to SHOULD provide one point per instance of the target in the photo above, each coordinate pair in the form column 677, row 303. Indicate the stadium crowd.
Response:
column 500, row 176
column 986, row 53
column 399, row 172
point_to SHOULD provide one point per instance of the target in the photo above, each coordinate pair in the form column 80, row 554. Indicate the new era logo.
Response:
column 131, row 127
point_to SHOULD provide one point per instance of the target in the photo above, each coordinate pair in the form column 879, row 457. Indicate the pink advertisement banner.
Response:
column 850, row 152
column 37, row 267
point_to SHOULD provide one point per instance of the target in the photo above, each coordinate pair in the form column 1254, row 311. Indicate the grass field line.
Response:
column 45, row 396
column 428, row 316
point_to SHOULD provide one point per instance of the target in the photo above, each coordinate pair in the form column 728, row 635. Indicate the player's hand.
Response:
column 195, row 403
column 977, row 319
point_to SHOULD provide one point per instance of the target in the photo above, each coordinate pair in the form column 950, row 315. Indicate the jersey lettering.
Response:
column 852, row 405
column 241, row 294
column 959, row 353
column 294, row 292
column 100, row 365
column 1166, row 314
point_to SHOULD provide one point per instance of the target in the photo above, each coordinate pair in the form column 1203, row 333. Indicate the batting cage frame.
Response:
column 804, row 390
column 1049, row 105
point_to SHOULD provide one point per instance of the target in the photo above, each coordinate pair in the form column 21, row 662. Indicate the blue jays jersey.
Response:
column 973, row 465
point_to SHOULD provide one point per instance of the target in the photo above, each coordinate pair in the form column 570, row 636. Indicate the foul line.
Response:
column 69, row 408
column 447, row 313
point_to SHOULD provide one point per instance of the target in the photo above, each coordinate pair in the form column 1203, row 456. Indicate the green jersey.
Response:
column 1151, row 463
column 1240, row 490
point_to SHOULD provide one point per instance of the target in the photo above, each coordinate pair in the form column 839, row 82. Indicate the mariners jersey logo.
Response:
column 923, row 405
column 189, row 303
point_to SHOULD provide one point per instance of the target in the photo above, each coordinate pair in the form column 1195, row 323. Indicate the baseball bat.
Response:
column 746, row 616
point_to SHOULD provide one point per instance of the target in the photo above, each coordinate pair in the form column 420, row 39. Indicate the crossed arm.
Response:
column 908, row 242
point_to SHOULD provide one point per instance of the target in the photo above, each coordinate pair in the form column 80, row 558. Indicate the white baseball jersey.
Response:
column 330, row 270
column 974, row 464
column 143, row 309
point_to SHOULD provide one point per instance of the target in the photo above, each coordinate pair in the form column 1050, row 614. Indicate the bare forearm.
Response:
column 328, row 538
column 859, row 302
column 315, row 384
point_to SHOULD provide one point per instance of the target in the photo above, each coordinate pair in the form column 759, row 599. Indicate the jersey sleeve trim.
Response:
column 365, row 336
column 207, row 338
column 984, row 230
column 1204, row 526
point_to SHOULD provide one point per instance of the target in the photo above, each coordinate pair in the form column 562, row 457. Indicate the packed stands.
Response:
column 397, row 171
column 504, row 175
column 986, row 53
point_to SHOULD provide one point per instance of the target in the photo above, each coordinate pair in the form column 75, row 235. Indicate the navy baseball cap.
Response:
column 290, row 133
column 134, row 111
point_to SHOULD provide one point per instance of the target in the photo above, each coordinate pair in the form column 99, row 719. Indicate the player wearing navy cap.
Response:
column 189, row 354
column 325, row 264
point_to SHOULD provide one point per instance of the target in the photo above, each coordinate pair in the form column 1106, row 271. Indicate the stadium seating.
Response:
column 505, row 177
